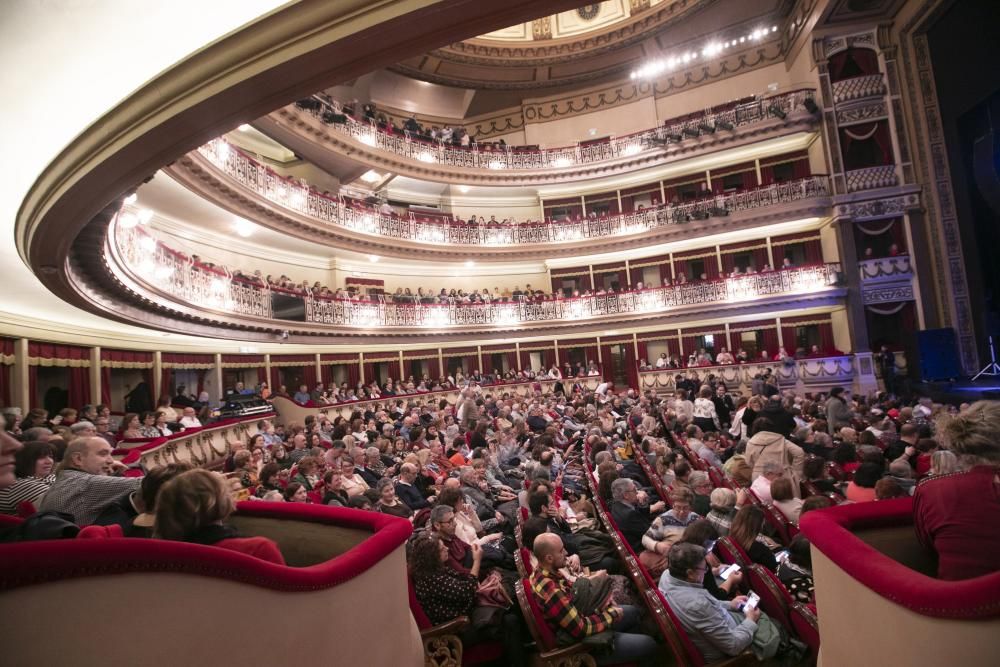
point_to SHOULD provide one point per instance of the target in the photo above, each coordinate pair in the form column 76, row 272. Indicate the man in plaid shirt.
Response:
column 555, row 597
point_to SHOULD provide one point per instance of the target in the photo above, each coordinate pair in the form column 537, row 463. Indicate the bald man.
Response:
column 82, row 487
column 555, row 597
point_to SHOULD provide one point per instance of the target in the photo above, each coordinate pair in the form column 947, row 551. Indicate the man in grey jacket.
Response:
column 707, row 621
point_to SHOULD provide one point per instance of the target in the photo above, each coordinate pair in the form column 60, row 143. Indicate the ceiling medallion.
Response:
column 589, row 12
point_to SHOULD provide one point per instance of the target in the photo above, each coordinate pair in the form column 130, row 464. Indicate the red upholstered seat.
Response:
column 26, row 508
column 539, row 627
column 472, row 654
column 729, row 552
column 806, row 626
column 784, row 530
column 774, row 597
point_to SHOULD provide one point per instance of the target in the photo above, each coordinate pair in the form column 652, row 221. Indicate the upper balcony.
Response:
column 323, row 127
column 232, row 179
column 172, row 286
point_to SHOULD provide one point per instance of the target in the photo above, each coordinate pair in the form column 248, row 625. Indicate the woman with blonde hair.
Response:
column 954, row 514
column 194, row 506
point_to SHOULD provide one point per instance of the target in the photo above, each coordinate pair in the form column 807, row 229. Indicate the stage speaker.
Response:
column 938, row 354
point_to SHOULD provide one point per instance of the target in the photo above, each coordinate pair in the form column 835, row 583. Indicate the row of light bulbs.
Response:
column 662, row 65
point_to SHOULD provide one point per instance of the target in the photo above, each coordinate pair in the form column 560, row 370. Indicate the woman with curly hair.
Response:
column 955, row 514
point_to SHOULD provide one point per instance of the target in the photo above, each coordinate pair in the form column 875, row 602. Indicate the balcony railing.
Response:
column 859, row 87
column 480, row 157
column 885, row 268
column 872, row 178
column 172, row 273
column 299, row 197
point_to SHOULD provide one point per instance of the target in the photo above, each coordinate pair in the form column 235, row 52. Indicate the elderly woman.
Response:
column 723, row 504
column 194, row 506
column 667, row 529
column 147, row 426
column 955, row 515
column 943, row 462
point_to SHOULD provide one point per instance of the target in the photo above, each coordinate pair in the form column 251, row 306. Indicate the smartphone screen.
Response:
column 751, row 602
column 729, row 571
column 782, row 556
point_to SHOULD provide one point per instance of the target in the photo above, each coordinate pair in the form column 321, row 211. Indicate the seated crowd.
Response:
column 498, row 491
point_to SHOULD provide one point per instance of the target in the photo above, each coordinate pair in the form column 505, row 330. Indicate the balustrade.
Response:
column 494, row 157
column 172, row 273
column 871, row 178
column 859, row 87
column 299, row 197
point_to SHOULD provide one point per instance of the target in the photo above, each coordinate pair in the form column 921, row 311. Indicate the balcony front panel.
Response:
column 235, row 181
column 170, row 282
column 304, row 130
column 886, row 280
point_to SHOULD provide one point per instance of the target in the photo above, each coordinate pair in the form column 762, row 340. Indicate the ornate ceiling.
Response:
column 592, row 42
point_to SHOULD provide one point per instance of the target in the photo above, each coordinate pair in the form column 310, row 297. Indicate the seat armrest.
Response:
column 452, row 627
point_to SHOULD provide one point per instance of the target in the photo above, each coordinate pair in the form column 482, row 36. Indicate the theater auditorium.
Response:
column 467, row 332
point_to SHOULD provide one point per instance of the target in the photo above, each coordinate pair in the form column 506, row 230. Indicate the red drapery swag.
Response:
column 629, row 359
column 276, row 380
column 865, row 231
column 106, row 384
column 852, row 63
column 55, row 351
column 877, row 131
column 644, row 353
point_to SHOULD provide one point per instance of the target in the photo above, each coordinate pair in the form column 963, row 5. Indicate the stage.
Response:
column 959, row 391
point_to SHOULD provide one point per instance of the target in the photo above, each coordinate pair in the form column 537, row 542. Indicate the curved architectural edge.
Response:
column 202, row 177
column 273, row 61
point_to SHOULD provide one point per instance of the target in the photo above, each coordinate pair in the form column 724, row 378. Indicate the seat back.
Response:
column 423, row 622
column 775, row 599
column 730, row 552
column 522, row 558
column 783, row 529
column 806, row 626
column 539, row 628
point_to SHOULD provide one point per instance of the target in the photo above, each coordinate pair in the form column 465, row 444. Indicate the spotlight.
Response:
column 706, row 128
column 810, row 106
column 691, row 132
column 724, row 125
column 775, row 110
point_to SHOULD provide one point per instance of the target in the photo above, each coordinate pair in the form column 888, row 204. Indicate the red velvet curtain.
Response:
column 644, row 352
column 826, row 343
column 369, row 374
column 851, row 63
column 166, row 380
column 512, row 361
column 79, row 387
column 106, row 385
column 769, row 339
column 665, row 272
column 262, row 375
column 276, row 380
column 680, row 267
column 711, row 267
column 800, row 168
column 631, row 365
column 308, row 376
column 760, row 259
column 881, row 137
column 813, row 251
column 5, row 393
column 354, row 375
column 607, row 354
column 787, row 339
column 408, row 369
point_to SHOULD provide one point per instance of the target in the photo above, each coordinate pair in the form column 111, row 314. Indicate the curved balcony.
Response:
column 162, row 276
column 236, row 181
column 872, row 178
column 305, row 129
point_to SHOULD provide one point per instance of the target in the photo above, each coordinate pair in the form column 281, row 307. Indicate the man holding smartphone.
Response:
column 718, row 628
